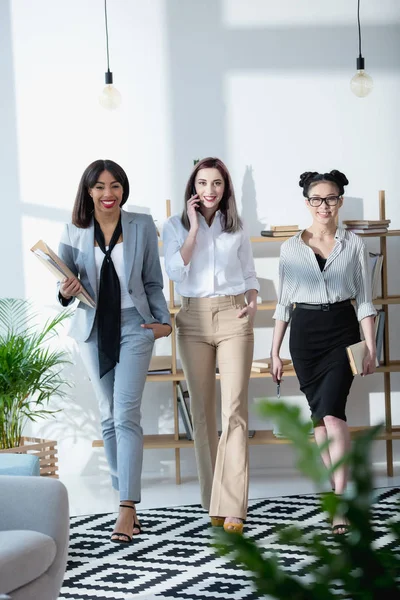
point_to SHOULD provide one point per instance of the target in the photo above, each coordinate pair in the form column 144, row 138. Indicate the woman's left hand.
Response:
column 159, row 329
column 250, row 309
column 369, row 364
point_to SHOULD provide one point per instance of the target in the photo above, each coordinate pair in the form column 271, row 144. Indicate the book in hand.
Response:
column 356, row 352
column 184, row 410
column 56, row 266
column 160, row 364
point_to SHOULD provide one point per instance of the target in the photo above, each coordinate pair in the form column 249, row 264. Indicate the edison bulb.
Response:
column 361, row 84
column 110, row 98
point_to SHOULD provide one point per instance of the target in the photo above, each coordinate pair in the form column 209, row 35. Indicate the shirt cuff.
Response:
column 176, row 264
column 283, row 313
column 252, row 284
column 366, row 309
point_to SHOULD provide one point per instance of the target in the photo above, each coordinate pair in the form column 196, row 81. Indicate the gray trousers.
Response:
column 119, row 394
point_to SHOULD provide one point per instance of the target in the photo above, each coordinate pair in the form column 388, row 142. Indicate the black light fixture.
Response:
column 110, row 97
column 361, row 84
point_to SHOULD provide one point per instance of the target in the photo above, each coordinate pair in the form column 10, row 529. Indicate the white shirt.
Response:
column 117, row 255
column 221, row 265
column 345, row 275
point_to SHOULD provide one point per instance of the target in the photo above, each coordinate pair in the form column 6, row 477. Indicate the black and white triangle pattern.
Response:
column 173, row 557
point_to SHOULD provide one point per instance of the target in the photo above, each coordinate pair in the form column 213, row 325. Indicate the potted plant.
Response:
column 353, row 562
column 30, row 375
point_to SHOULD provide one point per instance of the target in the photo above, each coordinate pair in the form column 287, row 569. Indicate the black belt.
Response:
column 324, row 307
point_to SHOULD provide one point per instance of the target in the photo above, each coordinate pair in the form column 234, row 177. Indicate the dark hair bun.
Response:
column 340, row 178
column 306, row 177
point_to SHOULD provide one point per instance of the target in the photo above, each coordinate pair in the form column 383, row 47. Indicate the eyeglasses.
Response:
column 329, row 200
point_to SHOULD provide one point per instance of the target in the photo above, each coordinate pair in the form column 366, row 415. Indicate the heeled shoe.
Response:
column 128, row 539
column 217, row 521
column 231, row 527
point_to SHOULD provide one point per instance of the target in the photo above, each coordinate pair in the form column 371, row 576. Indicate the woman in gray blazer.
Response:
column 114, row 256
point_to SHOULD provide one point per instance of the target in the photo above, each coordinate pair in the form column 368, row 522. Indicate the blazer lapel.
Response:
column 129, row 235
column 88, row 257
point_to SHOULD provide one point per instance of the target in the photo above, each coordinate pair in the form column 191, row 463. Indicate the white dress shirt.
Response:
column 117, row 256
column 221, row 265
column 345, row 275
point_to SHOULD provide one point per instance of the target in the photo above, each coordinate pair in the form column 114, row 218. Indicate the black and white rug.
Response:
column 174, row 559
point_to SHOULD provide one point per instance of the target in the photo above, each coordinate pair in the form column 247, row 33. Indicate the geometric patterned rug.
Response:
column 173, row 557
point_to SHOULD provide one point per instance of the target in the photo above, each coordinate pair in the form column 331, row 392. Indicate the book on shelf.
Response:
column 184, row 410
column 379, row 333
column 284, row 228
column 372, row 230
column 270, row 233
column 160, row 364
column 58, row 268
column 375, row 262
column 366, row 224
column 356, row 352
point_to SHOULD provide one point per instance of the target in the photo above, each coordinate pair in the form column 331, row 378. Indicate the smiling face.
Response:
column 209, row 185
column 107, row 195
column 324, row 214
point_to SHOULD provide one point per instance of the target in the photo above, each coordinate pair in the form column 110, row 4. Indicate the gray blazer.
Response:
column 142, row 270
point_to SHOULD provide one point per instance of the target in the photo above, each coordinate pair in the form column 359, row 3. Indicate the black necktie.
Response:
column 108, row 304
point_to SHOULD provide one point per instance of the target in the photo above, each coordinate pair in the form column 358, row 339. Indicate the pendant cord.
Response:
column 359, row 28
column 105, row 16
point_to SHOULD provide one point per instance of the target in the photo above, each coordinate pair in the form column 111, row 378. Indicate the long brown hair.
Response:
column 231, row 220
column 82, row 211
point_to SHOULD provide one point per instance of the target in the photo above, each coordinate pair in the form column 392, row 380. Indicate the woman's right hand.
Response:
column 192, row 206
column 276, row 369
column 70, row 287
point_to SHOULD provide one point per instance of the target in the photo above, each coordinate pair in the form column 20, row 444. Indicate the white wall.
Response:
column 262, row 84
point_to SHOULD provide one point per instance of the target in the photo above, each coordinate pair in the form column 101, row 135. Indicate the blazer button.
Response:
column 130, row 291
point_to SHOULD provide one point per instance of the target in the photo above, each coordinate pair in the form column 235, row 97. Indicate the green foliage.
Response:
column 352, row 561
column 30, row 372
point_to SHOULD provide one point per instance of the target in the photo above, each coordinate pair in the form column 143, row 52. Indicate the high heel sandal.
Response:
column 136, row 525
column 231, row 527
column 217, row 521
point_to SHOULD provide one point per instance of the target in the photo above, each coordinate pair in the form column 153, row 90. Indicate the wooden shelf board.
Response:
column 387, row 300
column 392, row 367
column 261, row 437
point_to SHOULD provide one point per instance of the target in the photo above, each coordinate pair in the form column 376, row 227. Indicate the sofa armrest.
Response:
column 37, row 504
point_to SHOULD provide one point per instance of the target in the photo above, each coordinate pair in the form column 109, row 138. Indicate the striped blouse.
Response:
column 345, row 275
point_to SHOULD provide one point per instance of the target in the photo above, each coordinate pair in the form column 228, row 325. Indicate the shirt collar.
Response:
column 339, row 235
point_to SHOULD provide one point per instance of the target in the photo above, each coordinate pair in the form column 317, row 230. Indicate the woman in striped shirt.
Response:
column 322, row 269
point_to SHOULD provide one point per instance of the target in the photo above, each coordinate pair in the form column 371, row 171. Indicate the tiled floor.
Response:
column 91, row 495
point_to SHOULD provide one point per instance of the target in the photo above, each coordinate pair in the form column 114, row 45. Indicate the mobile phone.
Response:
column 194, row 193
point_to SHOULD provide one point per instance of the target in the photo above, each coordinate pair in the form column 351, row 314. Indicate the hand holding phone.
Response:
column 192, row 208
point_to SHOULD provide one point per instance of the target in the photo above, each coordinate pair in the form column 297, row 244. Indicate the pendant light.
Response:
column 110, row 97
column 361, row 84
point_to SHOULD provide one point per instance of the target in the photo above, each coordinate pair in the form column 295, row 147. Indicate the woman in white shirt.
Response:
column 321, row 269
column 209, row 256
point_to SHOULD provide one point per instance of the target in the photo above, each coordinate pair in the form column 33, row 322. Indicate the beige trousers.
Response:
column 210, row 331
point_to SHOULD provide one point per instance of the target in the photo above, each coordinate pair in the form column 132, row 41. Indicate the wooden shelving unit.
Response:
column 178, row 441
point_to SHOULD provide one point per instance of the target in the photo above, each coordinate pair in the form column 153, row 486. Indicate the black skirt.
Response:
column 318, row 341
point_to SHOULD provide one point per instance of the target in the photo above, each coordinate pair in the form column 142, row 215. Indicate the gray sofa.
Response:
column 34, row 529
